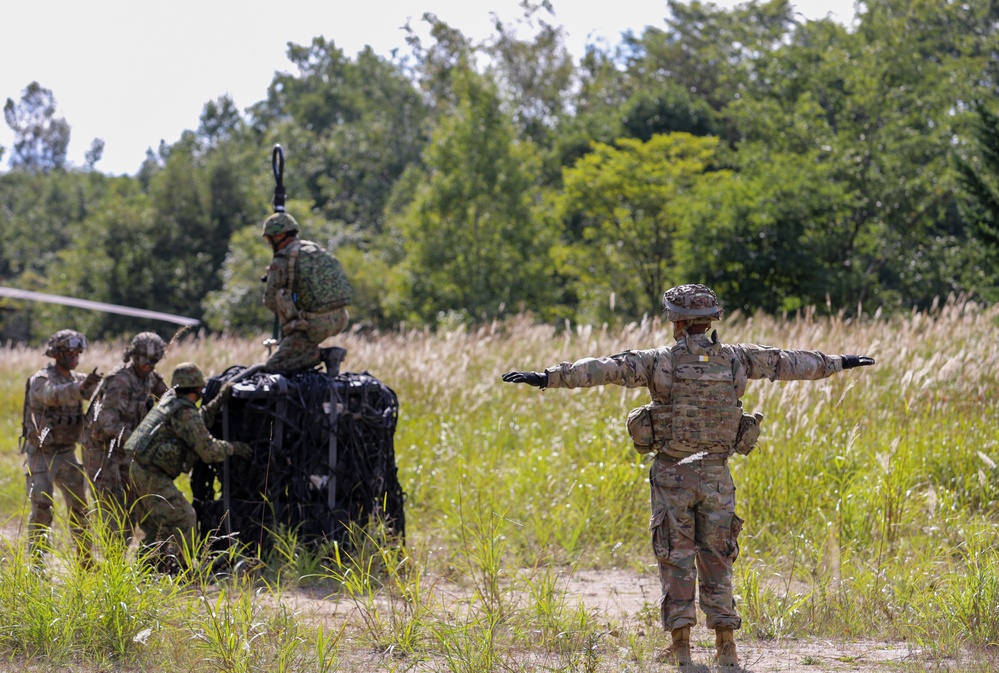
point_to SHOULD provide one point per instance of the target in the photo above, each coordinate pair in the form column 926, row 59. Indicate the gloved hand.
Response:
column 241, row 449
column 536, row 379
column 851, row 361
column 89, row 384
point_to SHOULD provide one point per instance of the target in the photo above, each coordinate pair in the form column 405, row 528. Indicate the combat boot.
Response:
column 725, row 654
column 679, row 650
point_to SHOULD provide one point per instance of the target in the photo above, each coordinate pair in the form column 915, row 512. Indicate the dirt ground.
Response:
column 624, row 600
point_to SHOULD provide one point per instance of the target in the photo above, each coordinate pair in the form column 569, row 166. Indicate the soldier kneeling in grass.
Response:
column 694, row 423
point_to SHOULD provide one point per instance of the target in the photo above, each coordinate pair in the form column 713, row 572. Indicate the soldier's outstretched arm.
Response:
column 776, row 364
column 630, row 369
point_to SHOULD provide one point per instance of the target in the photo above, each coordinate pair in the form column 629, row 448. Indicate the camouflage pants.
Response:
column 299, row 349
column 695, row 538
column 112, row 487
column 44, row 471
column 165, row 516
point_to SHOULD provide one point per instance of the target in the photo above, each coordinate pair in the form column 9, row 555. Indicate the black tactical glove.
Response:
column 536, row 379
column 851, row 361
column 89, row 384
column 242, row 449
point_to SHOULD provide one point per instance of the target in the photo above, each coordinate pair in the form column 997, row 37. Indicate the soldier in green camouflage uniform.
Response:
column 307, row 290
column 118, row 406
column 694, row 423
column 51, row 427
column 167, row 442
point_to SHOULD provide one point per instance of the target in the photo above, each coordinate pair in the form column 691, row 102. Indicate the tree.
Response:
column 535, row 76
column 40, row 138
column 882, row 105
column 631, row 200
column 349, row 128
column 979, row 177
column 768, row 237
column 94, row 154
column 473, row 243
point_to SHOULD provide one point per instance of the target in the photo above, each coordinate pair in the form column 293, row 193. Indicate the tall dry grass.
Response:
column 870, row 502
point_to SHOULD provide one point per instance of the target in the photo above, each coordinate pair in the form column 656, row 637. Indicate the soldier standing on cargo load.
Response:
column 307, row 290
column 51, row 427
column 693, row 425
column 167, row 442
column 119, row 404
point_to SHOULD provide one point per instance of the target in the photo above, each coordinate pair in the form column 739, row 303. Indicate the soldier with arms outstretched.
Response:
column 694, row 424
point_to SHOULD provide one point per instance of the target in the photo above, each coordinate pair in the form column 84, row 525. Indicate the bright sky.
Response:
column 137, row 72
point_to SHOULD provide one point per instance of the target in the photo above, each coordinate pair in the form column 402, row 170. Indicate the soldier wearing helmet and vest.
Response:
column 694, row 423
column 51, row 427
column 165, row 444
column 118, row 406
column 307, row 290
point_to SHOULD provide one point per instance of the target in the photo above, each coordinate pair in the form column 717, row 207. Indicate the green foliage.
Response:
column 631, row 202
column 238, row 305
column 473, row 244
column 773, row 236
column 979, row 179
column 451, row 179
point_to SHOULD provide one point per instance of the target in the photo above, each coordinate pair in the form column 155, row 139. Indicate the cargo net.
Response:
column 298, row 426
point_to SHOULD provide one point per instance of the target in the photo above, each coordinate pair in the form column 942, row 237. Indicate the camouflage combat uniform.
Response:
column 118, row 406
column 166, row 444
column 53, row 421
column 693, row 525
column 308, row 292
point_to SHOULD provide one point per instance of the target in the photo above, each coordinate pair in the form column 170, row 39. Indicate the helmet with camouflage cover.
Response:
column 147, row 346
column 691, row 302
column 279, row 223
column 64, row 341
column 187, row 375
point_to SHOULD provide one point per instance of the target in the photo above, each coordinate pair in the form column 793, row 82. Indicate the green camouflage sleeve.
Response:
column 767, row 362
column 190, row 429
column 631, row 369
column 277, row 278
column 114, row 403
column 51, row 394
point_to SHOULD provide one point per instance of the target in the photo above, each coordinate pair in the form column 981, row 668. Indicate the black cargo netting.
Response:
column 288, row 484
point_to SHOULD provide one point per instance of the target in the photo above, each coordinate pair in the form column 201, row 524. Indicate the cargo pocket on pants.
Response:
column 659, row 527
column 733, row 542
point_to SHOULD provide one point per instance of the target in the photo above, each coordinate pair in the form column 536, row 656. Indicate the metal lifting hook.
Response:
column 277, row 163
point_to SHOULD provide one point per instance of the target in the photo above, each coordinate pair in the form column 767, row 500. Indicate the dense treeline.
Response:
column 787, row 163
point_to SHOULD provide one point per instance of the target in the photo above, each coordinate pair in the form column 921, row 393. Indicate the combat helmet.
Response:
column 279, row 223
column 187, row 375
column 148, row 346
column 64, row 341
column 691, row 302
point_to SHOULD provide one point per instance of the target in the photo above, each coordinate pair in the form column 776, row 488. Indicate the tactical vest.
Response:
column 706, row 410
column 58, row 426
column 140, row 444
column 317, row 279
